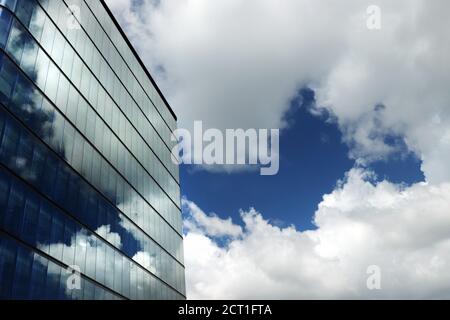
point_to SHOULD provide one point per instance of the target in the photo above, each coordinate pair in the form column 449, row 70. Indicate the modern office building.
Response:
column 89, row 196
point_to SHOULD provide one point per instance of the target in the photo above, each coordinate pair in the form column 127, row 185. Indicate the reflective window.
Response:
column 24, row 10
column 11, row 4
column 59, row 158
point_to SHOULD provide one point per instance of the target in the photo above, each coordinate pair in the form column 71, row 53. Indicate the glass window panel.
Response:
column 21, row 96
column 96, row 165
column 58, row 48
column 5, row 22
column 7, row 266
column 133, row 281
column 41, row 69
column 68, row 141
column 92, row 211
column 104, row 177
column 77, row 294
column 8, row 75
column 48, row 35
column 126, row 277
column 57, row 133
column 38, row 277
column 38, row 161
column 87, row 161
column 67, row 61
column 29, row 56
column 37, row 22
column 118, row 271
column 114, row 152
column 85, row 81
column 44, row 228
column 99, row 293
column 24, row 10
column 140, row 284
column 53, row 280
column 69, row 242
column 100, row 262
column 63, row 94
column 52, row 7
column 77, row 156
column 146, row 285
column 81, row 115
column 88, row 52
column 80, row 250
column 11, row 4
column 63, row 292
column 62, row 18
column 24, row 261
column 57, row 235
column 51, row 85
column 49, row 175
column 102, row 224
column 153, row 283
column 14, row 212
column 108, row 110
column 4, row 190
column 24, row 152
column 72, row 104
column 16, row 41
column 93, row 92
column 89, row 290
column 61, row 184
column 110, row 263
column 30, row 221
column 91, row 255
column 76, row 71
column 74, row 192
column 91, row 118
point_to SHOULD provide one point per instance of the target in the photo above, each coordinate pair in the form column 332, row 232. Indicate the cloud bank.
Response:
column 403, row 231
column 239, row 63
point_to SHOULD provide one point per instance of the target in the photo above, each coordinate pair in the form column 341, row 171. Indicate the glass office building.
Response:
column 86, row 178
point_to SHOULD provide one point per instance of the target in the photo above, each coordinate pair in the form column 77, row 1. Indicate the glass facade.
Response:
column 86, row 177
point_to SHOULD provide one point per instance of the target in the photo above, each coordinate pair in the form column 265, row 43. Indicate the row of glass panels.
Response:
column 83, row 72
column 39, row 67
column 145, row 90
column 87, row 45
column 41, row 225
column 23, row 154
column 25, row 101
column 28, row 274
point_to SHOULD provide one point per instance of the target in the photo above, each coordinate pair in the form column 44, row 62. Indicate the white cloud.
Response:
column 210, row 225
column 238, row 63
column 112, row 237
column 403, row 230
column 146, row 260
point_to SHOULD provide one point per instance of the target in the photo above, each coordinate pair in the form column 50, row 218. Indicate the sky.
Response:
column 364, row 117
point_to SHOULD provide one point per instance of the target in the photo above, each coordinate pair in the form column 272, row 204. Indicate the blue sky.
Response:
column 313, row 158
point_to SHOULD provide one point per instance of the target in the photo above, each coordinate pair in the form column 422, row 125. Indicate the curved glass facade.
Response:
column 86, row 178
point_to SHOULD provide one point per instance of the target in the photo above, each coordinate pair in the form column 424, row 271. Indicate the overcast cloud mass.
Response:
column 238, row 63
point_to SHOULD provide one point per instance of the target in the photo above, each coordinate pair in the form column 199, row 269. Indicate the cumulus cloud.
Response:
column 402, row 230
column 238, row 64
column 210, row 225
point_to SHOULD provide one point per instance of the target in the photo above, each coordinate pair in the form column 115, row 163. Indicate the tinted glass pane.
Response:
column 5, row 21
